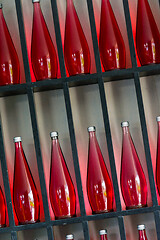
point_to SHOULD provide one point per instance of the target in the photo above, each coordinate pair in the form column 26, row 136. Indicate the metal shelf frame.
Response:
column 65, row 83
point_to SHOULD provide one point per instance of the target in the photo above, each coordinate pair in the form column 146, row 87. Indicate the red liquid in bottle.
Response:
column 133, row 182
column 25, row 195
column 158, row 157
column 99, row 186
column 103, row 234
column 2, row 209
column 111, row 44
column 9, row 63
column 76, row 50
column 43, row 54
column 147, row 35
column 142, row 232
column 61, row 189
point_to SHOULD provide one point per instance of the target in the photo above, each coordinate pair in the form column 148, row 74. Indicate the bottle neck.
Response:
column 125, row 130
column 142, row 235
column 37, row 7
column 18, row 145
column 92, row 135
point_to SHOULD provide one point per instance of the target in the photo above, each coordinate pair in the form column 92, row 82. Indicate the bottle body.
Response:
column 25, row 195
column 147, row 35
column 61, row 189
column 99, row 186
column 9, row 63
column 76, row 50
column 111, row 44
column 133, row 182
column 2, row 209
column 43, row 53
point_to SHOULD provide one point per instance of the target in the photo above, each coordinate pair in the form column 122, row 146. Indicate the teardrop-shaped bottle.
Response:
column 43, row 54
column 158, row 157
column 99, row 186
column 2, row 209
column 111, row 44
column 25, row 195
column 147, row 35
column 76, row 50
column 142, row 232
column 103, row 234
column 61, row 189
column 133, row 182
column 9, row 63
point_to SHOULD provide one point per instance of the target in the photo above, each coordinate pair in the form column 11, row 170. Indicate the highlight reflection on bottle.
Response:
column 133, row 182
column 25, row 194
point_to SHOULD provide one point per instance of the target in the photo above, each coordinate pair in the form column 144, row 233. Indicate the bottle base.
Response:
column 135, row 207
column 102, row 211
column 28, row 222
column 66, row 216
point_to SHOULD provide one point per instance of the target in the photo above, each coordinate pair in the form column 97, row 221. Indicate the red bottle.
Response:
column 2, row 209
column 158, row 157
column 25, row 195
column 9, row 63
column 111, row 44
column 147, row 35
column 43, row 54
column 133, row 182
column 61, row 189
column 99, row 186
column 103, row 234
column 142, row 232
column 76, row 50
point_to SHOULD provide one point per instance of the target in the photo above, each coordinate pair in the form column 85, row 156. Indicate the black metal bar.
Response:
column 39, row 157
column 74, row 148
column 109, row 143
column 130, row 33
column 58, row 37
column 94, row 36
column 6, row 181
column 145, row 138
column 50, row 233
column 23, row 40
column 122, row 228
column 14, row 235
column 157, row 221
column 85, row 230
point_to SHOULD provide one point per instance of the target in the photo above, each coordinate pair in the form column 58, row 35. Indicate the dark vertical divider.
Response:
column 85, row 230
column 157, row 221
column 121, row 228
column 6, row 184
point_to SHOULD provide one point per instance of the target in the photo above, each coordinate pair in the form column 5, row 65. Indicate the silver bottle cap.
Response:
column 54, row 134
column 17, row 139
column 91, row 129
column 69, row 236
column 125, row 124
column 141, row 227
column 158, row 119
column 1, row 5
column 102, row 232
column 34, row 1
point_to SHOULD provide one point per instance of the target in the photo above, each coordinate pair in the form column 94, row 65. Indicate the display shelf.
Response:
column 100, row 79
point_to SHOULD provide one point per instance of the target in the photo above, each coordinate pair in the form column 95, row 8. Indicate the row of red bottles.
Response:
column 103, row 234
column 76, row 50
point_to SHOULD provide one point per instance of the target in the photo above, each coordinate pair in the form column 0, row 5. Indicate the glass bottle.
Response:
column 25, row 195
column 158, row 157
column 61, row 189
column 9, row 63
column 111, row 44
column 99, row 186
column 103, row 234
column 142, row 232
column 2, row 209
column 147, row 35
column 76, row 50
column 133, row 182
column 69, row 237
column 43, row 53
